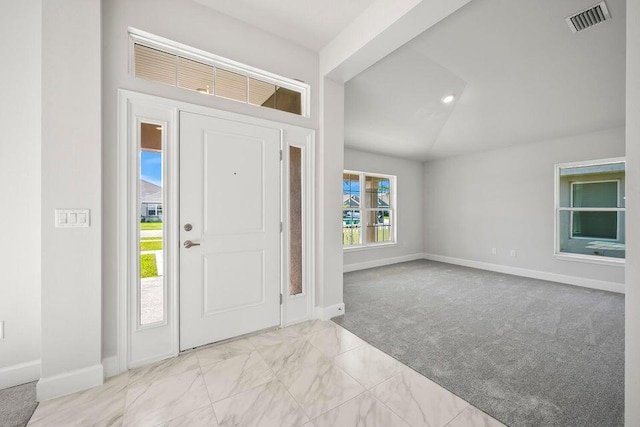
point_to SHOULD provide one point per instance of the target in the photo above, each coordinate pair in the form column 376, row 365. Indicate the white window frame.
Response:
column 567, row 256
column 169, row 46
column 393, row 210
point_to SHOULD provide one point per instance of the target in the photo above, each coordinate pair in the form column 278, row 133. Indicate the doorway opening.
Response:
column 215, row 226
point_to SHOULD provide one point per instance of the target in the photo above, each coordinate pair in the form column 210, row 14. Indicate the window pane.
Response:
column 595, row 225
column 595, row 194
column 152, row 64
column 592, row 233
column 351, row 191
column 262, row 93
column 288, row 100
column 379, row 226
column 231, row 85
column 592, row 186
column 351, row 227
column 151, row 304
column 195, row 76
column 295, row 219
column 378, row 192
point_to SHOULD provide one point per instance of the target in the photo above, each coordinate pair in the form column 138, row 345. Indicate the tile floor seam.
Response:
column 387, row 406
column 330, row 361
column 163, row 423
column 162, row 377
column 206, row 386
column 336, row 407
column 458, row 414
column 295, row 400
column 347, row 374
column 339, row 353
column 276, row 378
column 187, row 389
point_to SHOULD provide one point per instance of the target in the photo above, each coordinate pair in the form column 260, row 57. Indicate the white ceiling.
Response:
column 519, row 73
column 310, row 23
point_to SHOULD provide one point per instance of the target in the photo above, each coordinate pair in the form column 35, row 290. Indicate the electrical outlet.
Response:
column 1, row 329
column 513, row 252
column 494, row 251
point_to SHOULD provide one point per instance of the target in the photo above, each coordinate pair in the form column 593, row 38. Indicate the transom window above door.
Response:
column 368, row 209
column 157, row 59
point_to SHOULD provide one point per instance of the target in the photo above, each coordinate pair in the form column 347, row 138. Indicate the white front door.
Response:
column 230, row 211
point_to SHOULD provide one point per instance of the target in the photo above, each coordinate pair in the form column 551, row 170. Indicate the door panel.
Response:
column 233, row 280
column 230, row 195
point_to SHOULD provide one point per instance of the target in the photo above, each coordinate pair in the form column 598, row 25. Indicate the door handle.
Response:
column 189, row 243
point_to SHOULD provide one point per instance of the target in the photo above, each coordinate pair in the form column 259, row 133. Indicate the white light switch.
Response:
column 72, row 218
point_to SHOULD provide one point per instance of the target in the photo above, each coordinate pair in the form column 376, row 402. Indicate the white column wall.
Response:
column 71, row 178
column 20, row 50
column 330, row 164
column 632, row 297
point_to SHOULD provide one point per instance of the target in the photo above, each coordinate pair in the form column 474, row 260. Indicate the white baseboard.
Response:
column 380, row 262
column 327, row 313
column 70, row 382
column 21, row 373
column 534, row 274
column 110, row 366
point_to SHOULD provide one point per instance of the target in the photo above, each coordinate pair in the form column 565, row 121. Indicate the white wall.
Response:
column 190, row 23
column 71, row 178
column 330, row 162
column 505, row 199
column 632, row 296
column 409, row 207
column 20, row 50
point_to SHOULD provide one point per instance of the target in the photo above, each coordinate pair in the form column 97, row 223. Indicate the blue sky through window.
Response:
column 151, row 166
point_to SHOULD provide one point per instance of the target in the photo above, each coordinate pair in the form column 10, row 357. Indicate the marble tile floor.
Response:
column 313, row 374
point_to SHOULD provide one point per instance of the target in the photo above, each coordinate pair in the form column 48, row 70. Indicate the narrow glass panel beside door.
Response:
column 295, row 220
column 151, row 237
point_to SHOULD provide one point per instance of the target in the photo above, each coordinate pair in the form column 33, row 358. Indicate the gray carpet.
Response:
column 526, row 351
column 17, row 405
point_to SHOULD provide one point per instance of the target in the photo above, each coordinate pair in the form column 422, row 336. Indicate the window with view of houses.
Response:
column 150, row 202
column 590, row 210
column 368, row 209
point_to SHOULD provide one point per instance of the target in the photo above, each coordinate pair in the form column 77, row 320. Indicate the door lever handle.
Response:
column 189, row 243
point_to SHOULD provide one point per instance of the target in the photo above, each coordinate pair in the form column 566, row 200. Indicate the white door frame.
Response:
column 130, row 105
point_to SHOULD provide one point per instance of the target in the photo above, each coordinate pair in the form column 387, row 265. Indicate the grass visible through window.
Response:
column 148, row 266
column 150, row 226
column 151, row 245
column 351, row 236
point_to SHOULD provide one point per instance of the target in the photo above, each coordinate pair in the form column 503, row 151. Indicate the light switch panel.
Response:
column 72, row 218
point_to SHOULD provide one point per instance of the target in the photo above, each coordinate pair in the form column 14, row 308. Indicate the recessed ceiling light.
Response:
column 448, row 99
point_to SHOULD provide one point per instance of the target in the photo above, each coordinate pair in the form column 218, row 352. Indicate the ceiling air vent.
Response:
column 589, row 17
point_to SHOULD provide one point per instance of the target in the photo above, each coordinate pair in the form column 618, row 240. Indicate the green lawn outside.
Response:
column 151, row 238
column 150, row 226
column 148, row 266
column 154, row 245
column 351, row 236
